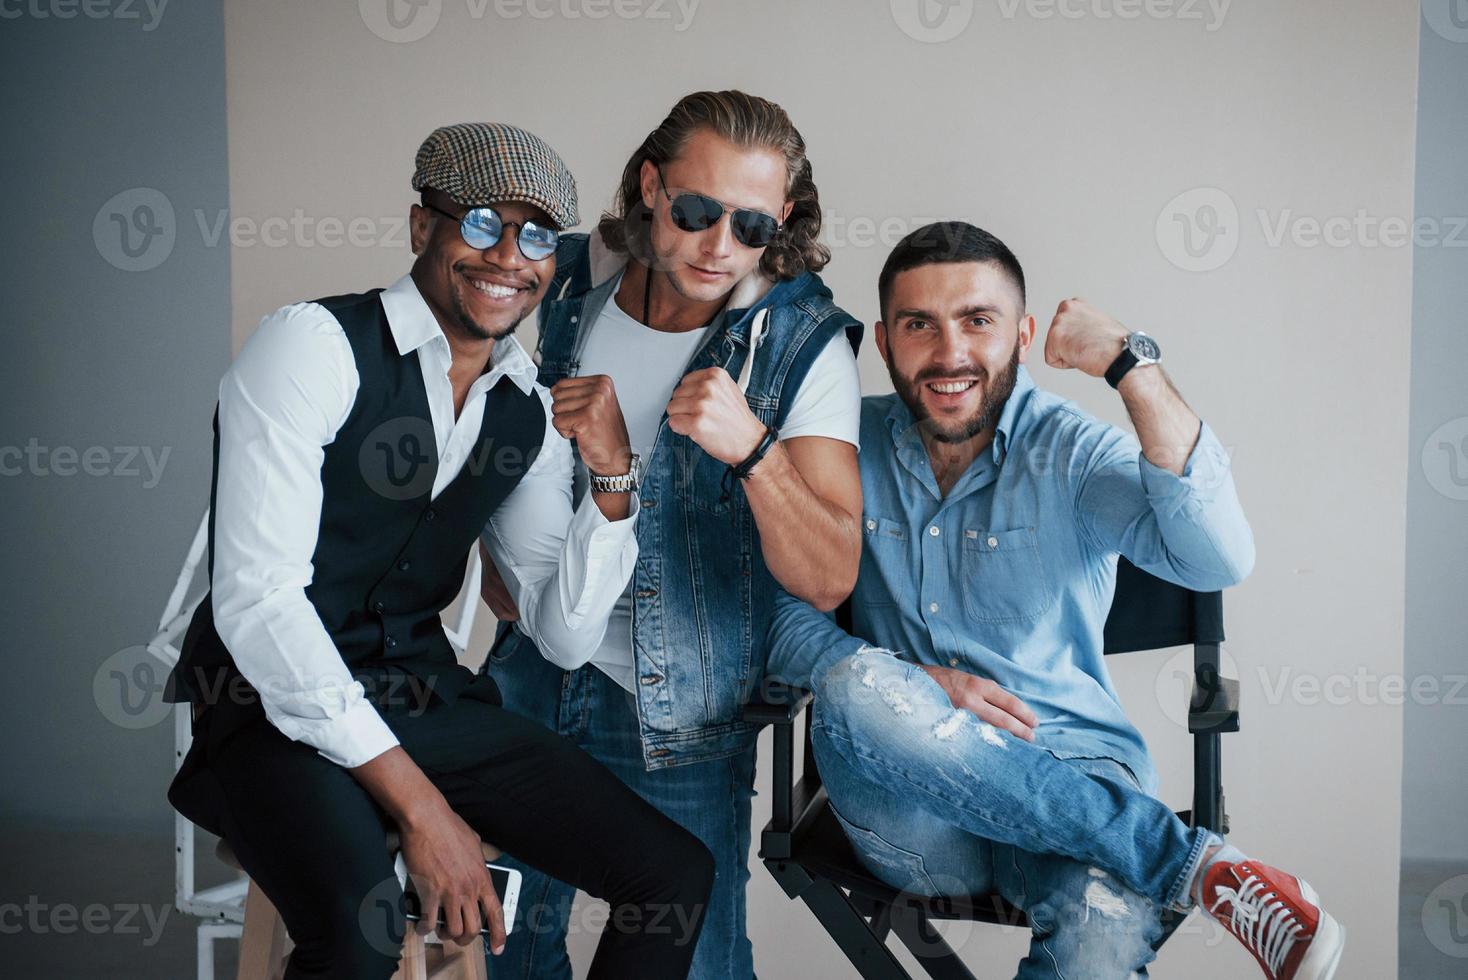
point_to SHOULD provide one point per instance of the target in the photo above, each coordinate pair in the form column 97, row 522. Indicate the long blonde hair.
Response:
column 746, row 121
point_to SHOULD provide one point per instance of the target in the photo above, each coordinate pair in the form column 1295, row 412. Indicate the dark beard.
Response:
column 996, row 393
column 473, row 329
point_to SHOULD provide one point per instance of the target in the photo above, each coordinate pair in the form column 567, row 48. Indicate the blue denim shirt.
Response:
column 1010, row 576
column 702, row 595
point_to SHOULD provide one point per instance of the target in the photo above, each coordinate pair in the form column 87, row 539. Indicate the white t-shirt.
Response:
column 645, row 366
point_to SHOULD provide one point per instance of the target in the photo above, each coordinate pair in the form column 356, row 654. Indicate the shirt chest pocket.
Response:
column 886, row 567
column 1004, row 580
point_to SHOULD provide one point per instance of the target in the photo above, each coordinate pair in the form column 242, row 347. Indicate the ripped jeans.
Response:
column 938, row 803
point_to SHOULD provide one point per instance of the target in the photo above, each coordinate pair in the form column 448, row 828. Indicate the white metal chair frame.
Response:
column 221, row 908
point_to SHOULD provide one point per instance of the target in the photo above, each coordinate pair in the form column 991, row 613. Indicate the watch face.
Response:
column 1143, row 347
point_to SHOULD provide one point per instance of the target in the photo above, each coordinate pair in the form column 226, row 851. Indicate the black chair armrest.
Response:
column 775, row 703
column 791, row 803
column 1214, row 708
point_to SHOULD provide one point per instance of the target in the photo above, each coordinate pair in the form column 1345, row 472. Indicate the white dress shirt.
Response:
column 281, row 402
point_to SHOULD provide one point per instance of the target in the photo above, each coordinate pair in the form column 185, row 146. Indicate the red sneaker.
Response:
column 1277, row 917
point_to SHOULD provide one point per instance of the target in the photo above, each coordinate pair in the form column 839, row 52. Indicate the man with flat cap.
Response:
column 362, row 444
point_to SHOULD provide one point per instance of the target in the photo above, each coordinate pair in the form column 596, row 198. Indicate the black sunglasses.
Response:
column 482, row 228
column 699, row 212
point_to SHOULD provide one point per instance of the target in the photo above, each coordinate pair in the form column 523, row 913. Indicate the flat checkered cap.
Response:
column 481, row 163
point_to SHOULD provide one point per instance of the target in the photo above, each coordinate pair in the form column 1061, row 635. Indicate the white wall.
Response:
column 1068, row 137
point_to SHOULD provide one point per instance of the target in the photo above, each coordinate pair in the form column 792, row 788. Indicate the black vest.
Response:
column 388, row 559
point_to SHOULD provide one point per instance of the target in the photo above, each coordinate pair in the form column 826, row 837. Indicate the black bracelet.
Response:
column 772, row 436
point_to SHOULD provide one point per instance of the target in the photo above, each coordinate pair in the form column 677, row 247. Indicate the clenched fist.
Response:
column 709, row 408
column 586, row 409
column 1084, row 338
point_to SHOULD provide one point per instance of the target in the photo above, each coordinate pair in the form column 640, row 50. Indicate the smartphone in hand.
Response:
column 506, row 885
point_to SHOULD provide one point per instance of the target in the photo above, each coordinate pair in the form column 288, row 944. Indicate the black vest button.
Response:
column 390, row 643
column 404, row 565
column 430, row 514
column 379, row 606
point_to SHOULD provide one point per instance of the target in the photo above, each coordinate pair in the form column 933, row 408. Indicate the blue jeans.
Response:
column 937, row 803
column 709, row 799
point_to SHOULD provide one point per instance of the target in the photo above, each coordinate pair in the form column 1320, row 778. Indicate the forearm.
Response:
column 810, row 545
column 805, row 643
column 1166, row 427
column 394, row 780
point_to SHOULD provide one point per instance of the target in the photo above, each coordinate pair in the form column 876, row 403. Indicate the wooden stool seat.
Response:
column 264, row 943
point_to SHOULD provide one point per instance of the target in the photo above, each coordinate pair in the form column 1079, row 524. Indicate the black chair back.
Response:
column 1149, row 613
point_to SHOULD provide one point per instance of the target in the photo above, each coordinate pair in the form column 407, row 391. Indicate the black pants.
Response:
column 312, row 838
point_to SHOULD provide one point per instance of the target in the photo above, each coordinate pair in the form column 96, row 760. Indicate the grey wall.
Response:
column 95, row 356
column 1434, row 781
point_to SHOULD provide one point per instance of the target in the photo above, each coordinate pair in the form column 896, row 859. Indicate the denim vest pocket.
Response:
column 1003, row 578
column 886, row 578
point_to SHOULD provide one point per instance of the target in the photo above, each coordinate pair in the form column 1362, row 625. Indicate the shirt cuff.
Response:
column 604, row 545
column 353, row 738
column 1206, row 471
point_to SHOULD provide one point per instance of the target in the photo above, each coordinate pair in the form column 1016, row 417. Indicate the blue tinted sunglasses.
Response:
column 482, row 228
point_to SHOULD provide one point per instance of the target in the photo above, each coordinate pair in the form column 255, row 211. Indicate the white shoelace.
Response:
column 1262, row 921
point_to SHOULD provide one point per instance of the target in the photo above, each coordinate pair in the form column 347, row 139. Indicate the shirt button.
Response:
column 649, row 502
column 871, row 525
column 953, row 661
column 932, row 607
column 573, row 319
column 993, row 542
column 933, row 531
column 404, row 565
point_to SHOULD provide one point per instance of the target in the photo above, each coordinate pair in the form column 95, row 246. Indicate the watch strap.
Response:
column 1124, row 362
column 622, row 483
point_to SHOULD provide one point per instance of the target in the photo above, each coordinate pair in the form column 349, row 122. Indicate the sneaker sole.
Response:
column 1324, row 954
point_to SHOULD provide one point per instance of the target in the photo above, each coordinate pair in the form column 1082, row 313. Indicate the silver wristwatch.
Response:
column 626, row 483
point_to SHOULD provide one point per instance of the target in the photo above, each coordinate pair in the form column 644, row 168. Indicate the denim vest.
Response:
column 701, row 594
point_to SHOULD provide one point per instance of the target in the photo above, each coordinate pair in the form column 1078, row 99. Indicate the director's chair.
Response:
column 807, row 851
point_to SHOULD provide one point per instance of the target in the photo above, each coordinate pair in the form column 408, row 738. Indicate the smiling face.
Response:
column 953, row 337
column 703, row 266
column 480, row 294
